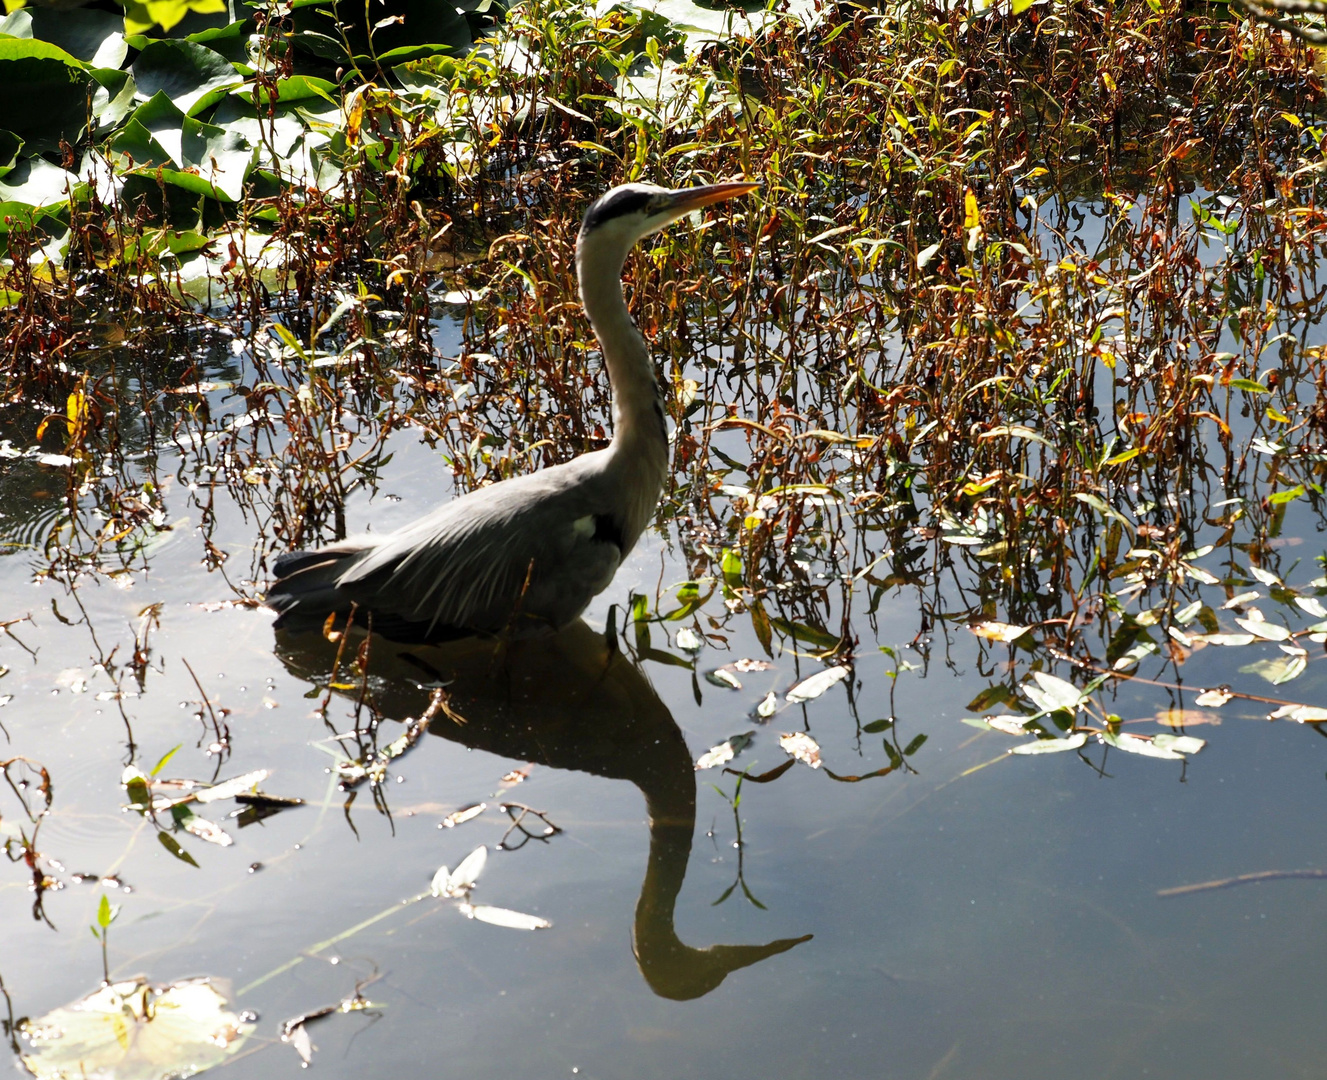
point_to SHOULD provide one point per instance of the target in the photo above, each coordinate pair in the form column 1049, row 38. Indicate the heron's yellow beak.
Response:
column 688, row 199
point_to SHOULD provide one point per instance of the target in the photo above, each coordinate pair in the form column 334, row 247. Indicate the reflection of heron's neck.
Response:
column 672, row 968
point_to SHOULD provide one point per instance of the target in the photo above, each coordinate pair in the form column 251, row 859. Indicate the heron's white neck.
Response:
column 638, row 419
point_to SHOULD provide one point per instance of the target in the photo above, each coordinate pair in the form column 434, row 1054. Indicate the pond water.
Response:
column 970, row 913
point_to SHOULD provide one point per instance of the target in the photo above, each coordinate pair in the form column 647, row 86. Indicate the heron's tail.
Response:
column 305, row 588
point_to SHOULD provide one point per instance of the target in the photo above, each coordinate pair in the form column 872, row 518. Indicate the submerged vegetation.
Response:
column 1021, row 327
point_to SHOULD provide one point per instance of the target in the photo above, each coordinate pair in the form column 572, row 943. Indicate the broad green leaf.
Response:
column 1051, row 693
column 133, row 1031
column 1249, row 386
column 192, row 76
column 1181, row 744
column 1051, row 746
column 1133, row 744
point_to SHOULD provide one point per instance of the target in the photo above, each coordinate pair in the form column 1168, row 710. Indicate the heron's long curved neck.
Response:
column 638, row 424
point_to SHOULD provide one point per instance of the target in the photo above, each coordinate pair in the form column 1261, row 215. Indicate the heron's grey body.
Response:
column 531, row 552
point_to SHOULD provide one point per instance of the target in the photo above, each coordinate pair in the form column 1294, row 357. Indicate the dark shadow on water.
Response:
column 568, row 701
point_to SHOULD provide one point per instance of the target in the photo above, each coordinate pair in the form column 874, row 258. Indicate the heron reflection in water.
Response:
column 567, row 701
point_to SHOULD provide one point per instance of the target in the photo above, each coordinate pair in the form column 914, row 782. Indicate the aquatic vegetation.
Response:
column 1007, row 385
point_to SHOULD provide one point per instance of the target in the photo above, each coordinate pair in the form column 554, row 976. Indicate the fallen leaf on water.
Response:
column 1312, row 606
column 1261, row 628
column 1242, row 599
column 802, row 747
column 1050, row 693
column 1213, row 699
column 768, row 706
column 1052, row 745
column 746, row 664
column 814, row 685
column 1301, row 714
column 512, row 920
column 1181, row 744
column 461, row 816
column 723, row 677
column 460, row 881
column 1176, row 718
column 1010, row 725
column 206, row 830
column 228, row 789
column 298, row 1037
column 1265, row 576
column 1134, row 744
column 999, row 631
column 1225, row 639
column 725, row 751
column 134, row 1031
column 689, row 641
column 1279, row 671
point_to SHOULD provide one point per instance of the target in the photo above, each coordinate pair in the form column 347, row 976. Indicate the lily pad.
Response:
column 133, row 1031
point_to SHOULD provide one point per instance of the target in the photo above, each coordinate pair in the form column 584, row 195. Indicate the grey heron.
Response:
column 527, row 553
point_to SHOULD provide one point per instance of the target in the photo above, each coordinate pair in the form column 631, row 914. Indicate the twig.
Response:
column 1242, row 879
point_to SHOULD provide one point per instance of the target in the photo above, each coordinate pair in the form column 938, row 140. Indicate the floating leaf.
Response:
column 1051, row 694
column 815, row 685
column 1241, row 600
column 802, row 747
column 1213, row 699
column 133, row 1031
column 512, row 920
column 1265, row 576
column 1135, row 744
column 460, row 881
column 461, row 816
column 228, row 789
column 1277, row 671
column 1225, row 639
column 999, row 631
column 1312, row 606
column 204, row 829
column 1301, row 714
column 1181, row 744
column 768, row 706
column 691, row 642
column 725, row 751
column 1051, row 745
column 723, row 677
column 1263, row 629
column 1009, row 725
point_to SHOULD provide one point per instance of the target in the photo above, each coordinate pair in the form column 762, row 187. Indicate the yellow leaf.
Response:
column 972, row 214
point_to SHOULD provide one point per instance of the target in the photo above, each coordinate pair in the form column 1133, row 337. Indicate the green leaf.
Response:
column 106, row 912
column 86, row 34
column 141, row 16
column 192, row 76
column 876, row 726
column 1133, row 744
column 1051, row 746
column 43, row 94
column 1181, row 744
column 173, row 846
column 1249, row 386
column 156, row 769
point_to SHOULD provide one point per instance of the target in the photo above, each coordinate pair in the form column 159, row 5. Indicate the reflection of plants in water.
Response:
column 734, row 802
column 25, row 779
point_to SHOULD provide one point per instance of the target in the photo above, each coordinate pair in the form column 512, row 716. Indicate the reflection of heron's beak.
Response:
column 681, row 973
column 688, row 199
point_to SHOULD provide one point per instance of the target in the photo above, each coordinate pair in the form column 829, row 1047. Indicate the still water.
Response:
column 973, row 914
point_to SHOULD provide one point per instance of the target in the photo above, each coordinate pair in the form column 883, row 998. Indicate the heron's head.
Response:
column 625, row 214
